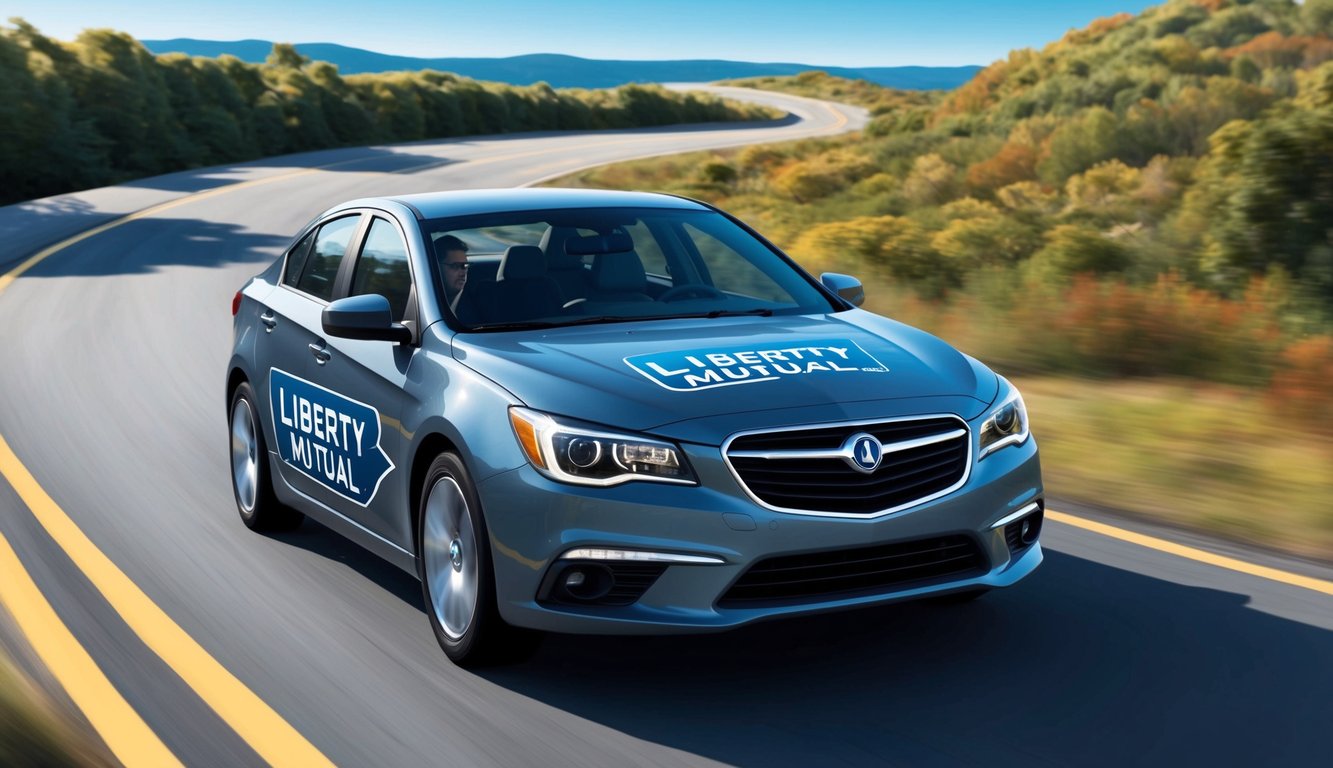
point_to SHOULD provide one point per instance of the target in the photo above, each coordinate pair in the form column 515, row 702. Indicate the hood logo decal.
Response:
column 696, row 369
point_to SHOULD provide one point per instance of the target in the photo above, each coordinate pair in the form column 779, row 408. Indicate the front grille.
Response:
column 851, row 572
column 904, row 477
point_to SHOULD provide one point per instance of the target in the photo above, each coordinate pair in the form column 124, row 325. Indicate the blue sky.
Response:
column 835, row 32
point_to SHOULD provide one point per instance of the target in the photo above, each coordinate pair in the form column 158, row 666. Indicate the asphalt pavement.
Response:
column 112, row 356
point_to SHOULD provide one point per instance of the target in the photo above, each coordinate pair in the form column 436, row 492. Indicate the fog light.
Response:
column 1023, row 533
column 586, row 583
column 1031, row 527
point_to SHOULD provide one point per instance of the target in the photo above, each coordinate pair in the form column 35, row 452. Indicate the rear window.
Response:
column 330, row 245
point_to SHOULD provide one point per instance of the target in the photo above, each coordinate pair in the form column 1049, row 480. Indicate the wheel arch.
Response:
column 431, row 445
column 235, row 377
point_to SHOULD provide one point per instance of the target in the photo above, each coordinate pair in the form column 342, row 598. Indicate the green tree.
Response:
column 933, row 181
column 1318, row 16
column 119, row 88
column 285, row 56
column 1081, row 143
column 1073, row 249
column 995, row 240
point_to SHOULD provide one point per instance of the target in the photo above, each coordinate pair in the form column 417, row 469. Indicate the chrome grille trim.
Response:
column 836, row 453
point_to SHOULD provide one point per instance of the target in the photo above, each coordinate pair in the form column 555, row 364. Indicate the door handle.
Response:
column 269, row 320
column 322, row 355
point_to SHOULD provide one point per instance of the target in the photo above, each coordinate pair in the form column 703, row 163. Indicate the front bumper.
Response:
column 533, row 521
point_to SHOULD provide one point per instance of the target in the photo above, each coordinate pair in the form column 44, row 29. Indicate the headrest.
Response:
column 619, row 273
column 615, row 241
column 553, row 245
column 522, row 262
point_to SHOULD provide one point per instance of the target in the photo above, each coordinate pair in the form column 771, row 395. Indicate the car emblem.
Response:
column 865, row 452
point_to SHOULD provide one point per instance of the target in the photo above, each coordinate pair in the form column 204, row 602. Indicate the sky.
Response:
column 849, row 33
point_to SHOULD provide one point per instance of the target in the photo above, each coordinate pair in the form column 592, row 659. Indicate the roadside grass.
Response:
column 1201, row 456
column 35, row 732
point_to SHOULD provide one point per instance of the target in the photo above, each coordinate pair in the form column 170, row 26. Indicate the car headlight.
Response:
column 587, row 455
column 1007, row 423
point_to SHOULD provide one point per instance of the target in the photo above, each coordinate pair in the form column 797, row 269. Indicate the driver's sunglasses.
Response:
column 463, row 265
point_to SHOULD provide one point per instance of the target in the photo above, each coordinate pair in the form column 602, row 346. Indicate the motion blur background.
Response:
column 1134, row 222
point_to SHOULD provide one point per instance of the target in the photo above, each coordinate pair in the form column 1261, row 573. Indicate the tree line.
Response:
column 103, row 109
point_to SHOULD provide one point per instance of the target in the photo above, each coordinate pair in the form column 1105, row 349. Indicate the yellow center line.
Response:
column 268, row 734
column 1190, row 553
column 839, row 116
column 124, row 732
column 153, row 210
column 130, row 739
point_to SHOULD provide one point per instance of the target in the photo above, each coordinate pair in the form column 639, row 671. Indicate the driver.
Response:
column 453, row 259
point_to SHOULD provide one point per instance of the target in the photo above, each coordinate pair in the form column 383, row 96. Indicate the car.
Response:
column 605, row 412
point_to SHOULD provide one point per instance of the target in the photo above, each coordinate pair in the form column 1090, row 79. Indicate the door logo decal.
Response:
column 332, row 439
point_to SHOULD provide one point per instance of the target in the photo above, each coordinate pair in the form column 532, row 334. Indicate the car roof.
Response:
column 432, row 205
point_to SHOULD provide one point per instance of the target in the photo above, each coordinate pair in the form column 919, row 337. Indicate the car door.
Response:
column 368, row 379
column 292, row 316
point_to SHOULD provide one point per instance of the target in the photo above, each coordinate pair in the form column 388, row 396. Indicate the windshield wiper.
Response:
column 524, row 326
column 532, row 325
column 760, row 312
column 540, row 324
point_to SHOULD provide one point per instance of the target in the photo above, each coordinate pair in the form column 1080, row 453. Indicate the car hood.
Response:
column 649, row 375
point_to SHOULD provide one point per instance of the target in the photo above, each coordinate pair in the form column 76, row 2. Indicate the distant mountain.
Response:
column 562, row 71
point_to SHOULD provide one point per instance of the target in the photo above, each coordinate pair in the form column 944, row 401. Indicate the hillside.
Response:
column 1173, row 169
column 560, row 71
column 1135, row 223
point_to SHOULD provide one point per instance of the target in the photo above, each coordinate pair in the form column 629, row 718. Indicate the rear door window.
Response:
column 330, row 245
column 296, row 260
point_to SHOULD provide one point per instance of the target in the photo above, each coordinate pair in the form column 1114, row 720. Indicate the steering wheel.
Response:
column 688, row 290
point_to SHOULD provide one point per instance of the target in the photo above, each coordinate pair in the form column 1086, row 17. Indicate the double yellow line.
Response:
column 128, row 737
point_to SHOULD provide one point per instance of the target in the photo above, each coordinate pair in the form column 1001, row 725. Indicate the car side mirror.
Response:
column 845, row 286
column 366, row 317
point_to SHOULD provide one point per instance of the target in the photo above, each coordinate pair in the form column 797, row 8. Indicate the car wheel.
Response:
column 457, row 580
column 250, row 482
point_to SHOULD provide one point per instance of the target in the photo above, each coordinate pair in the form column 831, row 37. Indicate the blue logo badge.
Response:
column 331, row 438
column 866, row 452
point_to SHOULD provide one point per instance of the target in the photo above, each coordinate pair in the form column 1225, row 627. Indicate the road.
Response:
column 113, row 353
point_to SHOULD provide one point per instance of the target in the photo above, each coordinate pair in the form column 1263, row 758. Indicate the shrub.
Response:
column 1300, row 388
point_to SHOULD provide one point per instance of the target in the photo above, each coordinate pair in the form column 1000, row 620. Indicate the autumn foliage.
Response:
column 1149, row 196
column 1300, row 387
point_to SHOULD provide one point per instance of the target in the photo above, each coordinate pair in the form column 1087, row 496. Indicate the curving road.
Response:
column 111, row 359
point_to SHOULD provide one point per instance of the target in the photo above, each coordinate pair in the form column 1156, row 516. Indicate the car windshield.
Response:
column 580, row 266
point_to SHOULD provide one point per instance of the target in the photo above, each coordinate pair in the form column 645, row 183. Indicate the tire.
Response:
column 251, row 483
column 457, row 576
